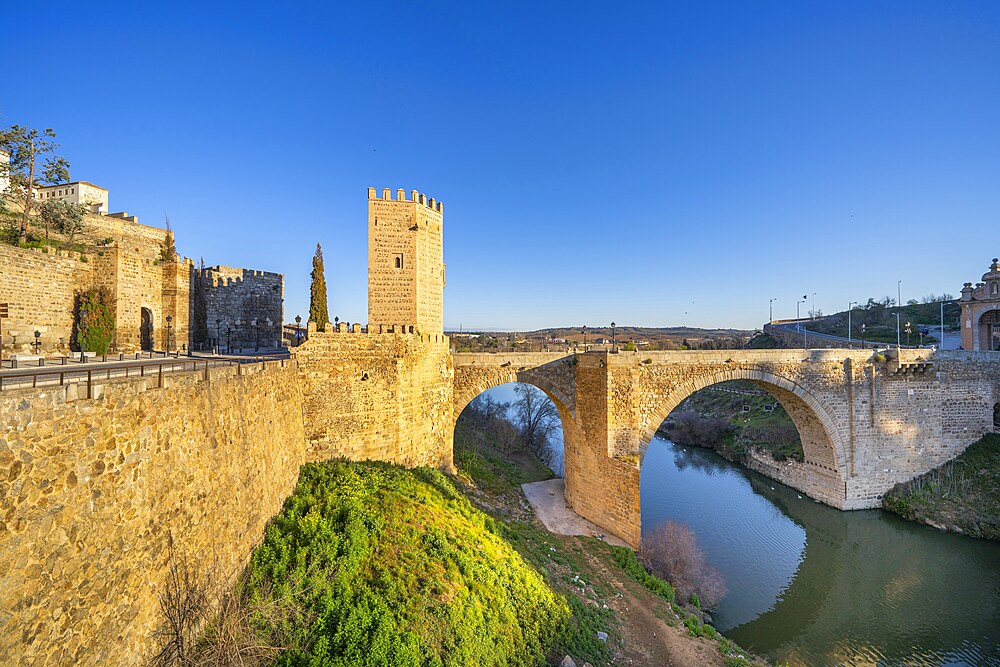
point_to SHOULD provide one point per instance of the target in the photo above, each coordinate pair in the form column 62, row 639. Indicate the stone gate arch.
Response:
column 822, row 442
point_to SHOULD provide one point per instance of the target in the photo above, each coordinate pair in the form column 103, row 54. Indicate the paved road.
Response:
column 952, row 340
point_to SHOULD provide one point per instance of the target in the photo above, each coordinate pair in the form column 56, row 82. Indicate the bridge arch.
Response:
column 489, row 377
column 821, row 439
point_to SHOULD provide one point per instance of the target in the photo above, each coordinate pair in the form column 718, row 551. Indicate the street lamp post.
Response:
column 862, row 335
column 584, row 337
column 38, row 341
column 614, row 340
column 298, row 330
column 941, row 342
column 805, row 342
column 169, row 320
column 849, row 304
column 229, row 340
column 812, row 313
column 770, row 309
column 83, row 334
column 218, row 335
column 899, row 306
column 906, row 327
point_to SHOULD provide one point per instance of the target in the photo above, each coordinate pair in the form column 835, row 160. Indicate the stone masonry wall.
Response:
column 378, row 396
column 245, row 295
column 39, row 288
column 93, row 490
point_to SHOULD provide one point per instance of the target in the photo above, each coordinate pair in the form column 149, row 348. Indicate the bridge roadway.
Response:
column 866, row 420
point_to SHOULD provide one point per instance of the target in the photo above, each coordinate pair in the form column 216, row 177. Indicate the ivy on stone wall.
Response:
column 94, row 320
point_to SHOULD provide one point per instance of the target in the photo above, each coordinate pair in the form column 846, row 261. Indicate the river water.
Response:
column 811, row 585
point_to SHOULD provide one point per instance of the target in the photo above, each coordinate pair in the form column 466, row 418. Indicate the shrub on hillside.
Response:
column 691, row 429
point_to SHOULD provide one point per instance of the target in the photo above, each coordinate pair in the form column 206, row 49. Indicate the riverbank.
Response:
column 961, row 496
column 607, row 590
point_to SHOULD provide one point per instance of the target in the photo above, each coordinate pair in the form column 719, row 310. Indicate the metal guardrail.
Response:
column 56, row 378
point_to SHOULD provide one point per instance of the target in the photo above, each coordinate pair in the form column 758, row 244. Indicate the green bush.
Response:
column 396, row 567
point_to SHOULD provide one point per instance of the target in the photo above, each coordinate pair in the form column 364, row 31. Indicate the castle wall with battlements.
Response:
column 236, row 298
column 384, row 396
column 405, row 261
column 128, row 259
column 94, row 491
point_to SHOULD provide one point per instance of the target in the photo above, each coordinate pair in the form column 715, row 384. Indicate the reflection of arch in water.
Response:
column 821, row 441
column 146, row 329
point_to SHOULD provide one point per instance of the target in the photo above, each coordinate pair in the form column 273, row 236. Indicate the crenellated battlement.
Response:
column 377, row 330
column 415, row 197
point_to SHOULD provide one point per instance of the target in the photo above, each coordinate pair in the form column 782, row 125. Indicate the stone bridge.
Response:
column 866, row 421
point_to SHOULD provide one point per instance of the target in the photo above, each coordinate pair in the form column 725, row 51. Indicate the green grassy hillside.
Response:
column 389, row 566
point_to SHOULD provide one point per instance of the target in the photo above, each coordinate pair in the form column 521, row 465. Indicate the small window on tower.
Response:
column 399, row 261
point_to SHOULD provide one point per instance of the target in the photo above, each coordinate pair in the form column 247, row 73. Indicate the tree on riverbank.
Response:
column 671, row 552
column 526, row 424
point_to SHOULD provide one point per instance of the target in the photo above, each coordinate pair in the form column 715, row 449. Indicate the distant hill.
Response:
column 649, row 338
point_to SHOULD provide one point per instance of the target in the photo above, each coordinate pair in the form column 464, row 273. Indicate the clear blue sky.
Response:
column 654, row 164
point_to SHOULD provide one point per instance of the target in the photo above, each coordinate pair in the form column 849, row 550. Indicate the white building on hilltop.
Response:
column 77, row 192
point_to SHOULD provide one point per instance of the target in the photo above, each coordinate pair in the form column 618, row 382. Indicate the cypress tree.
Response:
column 318, row 312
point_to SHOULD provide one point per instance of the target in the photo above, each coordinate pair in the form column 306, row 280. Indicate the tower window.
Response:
column 399, row 261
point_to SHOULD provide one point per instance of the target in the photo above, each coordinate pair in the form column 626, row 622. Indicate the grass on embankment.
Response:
column 373, row 564
column 396, row 567
column 962, row 495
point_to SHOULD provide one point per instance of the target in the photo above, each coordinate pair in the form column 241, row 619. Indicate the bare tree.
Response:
column 671, row 552
column 536, row 417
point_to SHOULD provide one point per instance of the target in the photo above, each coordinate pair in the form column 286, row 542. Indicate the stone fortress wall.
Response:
column 94, row 491
column 384, row 396
column 126, row 257
column 235, row 298
column 39, row 289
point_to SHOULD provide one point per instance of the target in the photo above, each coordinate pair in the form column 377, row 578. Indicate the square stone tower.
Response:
column 405, row 262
